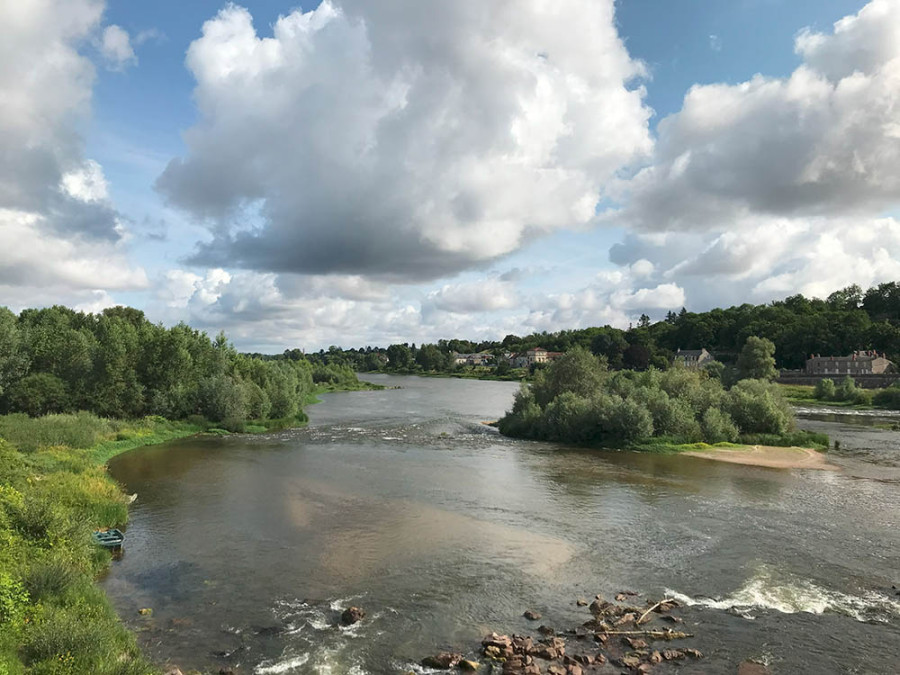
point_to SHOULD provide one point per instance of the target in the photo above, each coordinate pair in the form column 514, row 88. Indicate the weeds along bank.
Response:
column 578, row 400
column 54, row 491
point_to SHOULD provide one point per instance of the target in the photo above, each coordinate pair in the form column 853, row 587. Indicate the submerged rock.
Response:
column 752, row 668
column 469, row 665
column 442, row 660
column 352, row 615
column 532, row 615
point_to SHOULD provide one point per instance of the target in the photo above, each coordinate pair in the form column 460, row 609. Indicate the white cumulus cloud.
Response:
column 407, row 140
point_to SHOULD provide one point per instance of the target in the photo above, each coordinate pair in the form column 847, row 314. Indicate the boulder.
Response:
column 532, row 615
column 442, row 660
column 469, row 665
column 581, row 602
column 352, row 615
column 546, row 630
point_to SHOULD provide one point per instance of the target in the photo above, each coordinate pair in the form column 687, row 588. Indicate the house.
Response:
column 527, row 358
column 858, row 363
column 479, row 359
column 692, row 358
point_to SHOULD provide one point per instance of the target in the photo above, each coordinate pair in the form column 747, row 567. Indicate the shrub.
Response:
column 846, row 390
column 13, row 600
column 825, row 389
column 718, row 427
column 50, row 578
column 862, row 397
column 887, row 398
column 757, row 407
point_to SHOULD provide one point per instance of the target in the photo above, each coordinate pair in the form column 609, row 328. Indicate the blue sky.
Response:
column 515, row 253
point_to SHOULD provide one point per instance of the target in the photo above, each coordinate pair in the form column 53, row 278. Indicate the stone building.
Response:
column 858, row 363
column 692, row 358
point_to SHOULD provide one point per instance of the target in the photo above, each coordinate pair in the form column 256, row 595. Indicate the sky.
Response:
column 353, row 173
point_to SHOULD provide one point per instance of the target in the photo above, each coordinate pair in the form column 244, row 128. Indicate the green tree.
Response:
column 39, row 394
column 757, row 360
column 400, row 357
column 577, row 371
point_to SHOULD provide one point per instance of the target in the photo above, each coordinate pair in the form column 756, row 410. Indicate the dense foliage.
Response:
column 54, row 491
column 847, row 320
column 577, row 399
column 119, row 364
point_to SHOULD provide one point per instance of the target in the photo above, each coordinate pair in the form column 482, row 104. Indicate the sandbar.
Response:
column 767, row 456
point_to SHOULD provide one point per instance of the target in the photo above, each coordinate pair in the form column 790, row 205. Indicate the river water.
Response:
column 402, row 502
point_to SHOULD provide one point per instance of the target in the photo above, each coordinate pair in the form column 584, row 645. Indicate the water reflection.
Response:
column 404, row 502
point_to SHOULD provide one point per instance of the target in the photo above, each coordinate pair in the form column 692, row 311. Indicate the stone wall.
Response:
column 863, row 381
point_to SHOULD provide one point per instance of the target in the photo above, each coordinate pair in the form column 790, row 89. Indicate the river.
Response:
column 402, row 502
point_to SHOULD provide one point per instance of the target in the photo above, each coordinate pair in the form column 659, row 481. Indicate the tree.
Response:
column 13, row 360
column 577, row 371
column 431, row 358
column 399, row 357
column 636, row 357
column 39, row 394
column 757, row 360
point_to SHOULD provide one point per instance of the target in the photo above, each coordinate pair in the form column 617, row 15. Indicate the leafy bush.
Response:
column 13, row 600
column 888, row 398
column 633, row 408
column 718, row 427
column 846, row 390
column 825, row 389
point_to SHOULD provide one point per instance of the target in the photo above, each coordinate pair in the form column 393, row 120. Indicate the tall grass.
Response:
column 54, row 491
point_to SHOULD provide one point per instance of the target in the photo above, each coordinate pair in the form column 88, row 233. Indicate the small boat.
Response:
column 111, row 538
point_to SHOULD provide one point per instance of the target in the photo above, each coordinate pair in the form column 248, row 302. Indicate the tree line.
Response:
column 119, row 364
column 847, row 320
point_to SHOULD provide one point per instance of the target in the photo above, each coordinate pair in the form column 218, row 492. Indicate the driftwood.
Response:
column 658, row 634
column 661, row 602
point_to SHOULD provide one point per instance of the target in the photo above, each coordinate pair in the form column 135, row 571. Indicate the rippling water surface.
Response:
column 401, row 501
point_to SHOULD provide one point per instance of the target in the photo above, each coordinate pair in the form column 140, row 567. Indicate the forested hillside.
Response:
column 845, row 321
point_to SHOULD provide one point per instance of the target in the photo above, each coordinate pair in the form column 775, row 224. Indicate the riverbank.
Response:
column 55, row 491
column 766, row 456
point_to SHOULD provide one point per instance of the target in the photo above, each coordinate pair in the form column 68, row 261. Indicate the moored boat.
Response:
column 111, row 538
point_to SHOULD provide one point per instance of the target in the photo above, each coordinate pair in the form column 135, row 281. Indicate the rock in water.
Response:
column 531, row 615
column 352, row 615
column 442, row 660
column 468, row 665
column 752, row 668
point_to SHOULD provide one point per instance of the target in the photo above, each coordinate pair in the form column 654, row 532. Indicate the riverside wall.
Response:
column 863, row 381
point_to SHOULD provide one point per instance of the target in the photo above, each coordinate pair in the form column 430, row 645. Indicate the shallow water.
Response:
column 403, row 502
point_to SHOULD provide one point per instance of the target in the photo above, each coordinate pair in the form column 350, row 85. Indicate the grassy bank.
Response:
column 54, row 491
column 795, row 439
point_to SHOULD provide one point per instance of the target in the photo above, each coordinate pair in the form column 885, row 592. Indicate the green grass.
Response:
column 801, row 394
column 55, row 491
column 53, row 619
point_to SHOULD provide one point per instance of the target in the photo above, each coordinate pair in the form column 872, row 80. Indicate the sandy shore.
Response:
column 768, row 456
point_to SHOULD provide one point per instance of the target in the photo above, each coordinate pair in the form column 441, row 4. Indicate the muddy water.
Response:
column 402, row 502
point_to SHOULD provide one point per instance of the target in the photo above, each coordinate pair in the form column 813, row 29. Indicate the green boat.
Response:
column 111, row 538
